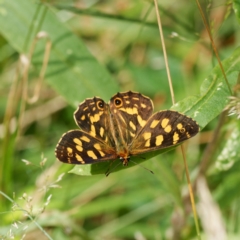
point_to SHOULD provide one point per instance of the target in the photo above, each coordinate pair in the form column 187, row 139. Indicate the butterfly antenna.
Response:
column 138, row 164
column 111, row 170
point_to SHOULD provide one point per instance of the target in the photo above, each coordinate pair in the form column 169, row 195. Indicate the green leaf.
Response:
column 236, row 8
column 214, row 93
column 72, row 70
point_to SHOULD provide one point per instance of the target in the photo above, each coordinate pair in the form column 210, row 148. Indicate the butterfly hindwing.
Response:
column 78, row 147
column 164, row 129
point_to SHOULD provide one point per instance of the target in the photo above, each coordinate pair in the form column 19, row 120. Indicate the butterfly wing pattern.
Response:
column 78, row 147
column 122, row 128
column 164, row 129
column 130, row 112
column 93, row 142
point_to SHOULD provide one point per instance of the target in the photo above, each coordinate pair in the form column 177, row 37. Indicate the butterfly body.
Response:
column 122, row 128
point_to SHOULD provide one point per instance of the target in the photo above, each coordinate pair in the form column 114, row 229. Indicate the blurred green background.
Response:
column 97, row 49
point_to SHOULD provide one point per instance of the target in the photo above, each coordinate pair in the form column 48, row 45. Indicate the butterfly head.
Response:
column 125, row 160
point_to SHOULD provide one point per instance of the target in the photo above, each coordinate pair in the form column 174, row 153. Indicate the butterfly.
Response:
column 124, row 127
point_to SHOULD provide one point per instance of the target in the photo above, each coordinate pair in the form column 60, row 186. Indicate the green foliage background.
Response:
column 100, row 48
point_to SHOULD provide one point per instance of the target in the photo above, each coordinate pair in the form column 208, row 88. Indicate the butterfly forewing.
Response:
column 130, row 112
column 93, row 117
column 164, row 129
column 78, row 147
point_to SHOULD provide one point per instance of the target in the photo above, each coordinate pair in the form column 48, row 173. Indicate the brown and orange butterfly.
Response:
column 122, row 128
